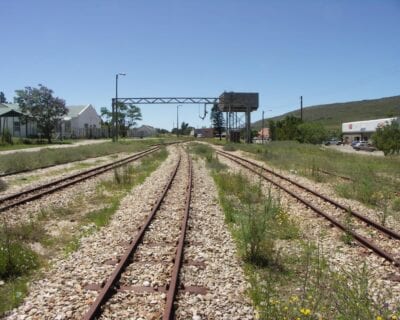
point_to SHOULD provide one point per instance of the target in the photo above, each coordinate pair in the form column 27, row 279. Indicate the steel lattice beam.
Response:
column 168, row 100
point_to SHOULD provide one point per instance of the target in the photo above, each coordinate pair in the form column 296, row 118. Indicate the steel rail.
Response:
column 111, row 285
column 173, row 285
column 387, row 231
column 370, row 245
column 7, row 174
column 26, row 196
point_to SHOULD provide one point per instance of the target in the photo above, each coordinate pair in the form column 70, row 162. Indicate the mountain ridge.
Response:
column 332, row 115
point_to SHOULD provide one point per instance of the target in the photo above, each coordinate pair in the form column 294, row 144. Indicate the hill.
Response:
column 334, row 114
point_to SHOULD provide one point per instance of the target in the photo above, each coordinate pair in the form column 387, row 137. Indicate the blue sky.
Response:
column 327, row 51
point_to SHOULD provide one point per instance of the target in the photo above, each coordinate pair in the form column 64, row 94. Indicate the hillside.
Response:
column 332, row 115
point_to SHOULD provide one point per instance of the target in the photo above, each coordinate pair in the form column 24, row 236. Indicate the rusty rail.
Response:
column 173, row 285
column 337, row 223
column 112, row 283
column 39, row 191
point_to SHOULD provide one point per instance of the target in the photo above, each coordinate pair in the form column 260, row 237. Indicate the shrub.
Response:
column 387, row 138
column 6, row 137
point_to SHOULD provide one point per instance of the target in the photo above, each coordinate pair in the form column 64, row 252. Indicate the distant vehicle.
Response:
column 333, row 142
column 364, row 146
column 355, row 142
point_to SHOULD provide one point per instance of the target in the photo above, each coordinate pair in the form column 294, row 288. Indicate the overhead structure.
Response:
column 234, row 102
column 229, row 102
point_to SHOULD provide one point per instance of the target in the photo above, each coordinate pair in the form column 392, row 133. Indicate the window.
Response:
column 17, row 126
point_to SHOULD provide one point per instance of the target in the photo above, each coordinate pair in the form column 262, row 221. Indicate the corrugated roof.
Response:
column 7, row 107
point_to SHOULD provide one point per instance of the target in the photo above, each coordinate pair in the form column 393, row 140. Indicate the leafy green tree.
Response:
column 272, row 130
column 387, row 138
column 2, row 97
column 217, row 120
column 310, row 132
column 185, row 129
column 127, row 115
column 287, row 129
column 133, row 115
column 40, row 105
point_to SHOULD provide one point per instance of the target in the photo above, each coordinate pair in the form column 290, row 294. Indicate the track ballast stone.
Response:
column 61, row 293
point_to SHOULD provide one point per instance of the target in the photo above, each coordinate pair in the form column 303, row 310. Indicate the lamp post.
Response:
column 177, row 119
column 115, row 111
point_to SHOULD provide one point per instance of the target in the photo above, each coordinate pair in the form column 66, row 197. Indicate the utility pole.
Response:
column 301, row 108
column 115, row 135
column 177, row 119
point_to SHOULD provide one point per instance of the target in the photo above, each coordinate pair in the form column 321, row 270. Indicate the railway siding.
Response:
column 340, row 255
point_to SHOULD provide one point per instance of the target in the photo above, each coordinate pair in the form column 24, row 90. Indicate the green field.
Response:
column 333, row 115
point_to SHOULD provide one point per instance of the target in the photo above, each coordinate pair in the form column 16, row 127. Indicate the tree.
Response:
column 133, row 114
column 185, row 129
column 287, row 129
column 312, row 133
column 127, row 116
column 387, row 138
column 272, row 130
column 2, row 97
column 40, row 105
column 217, row 120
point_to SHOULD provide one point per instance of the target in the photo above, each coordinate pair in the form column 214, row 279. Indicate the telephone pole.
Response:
column 301, row 108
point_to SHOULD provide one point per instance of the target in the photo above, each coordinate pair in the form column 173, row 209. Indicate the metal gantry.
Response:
column 229, row 102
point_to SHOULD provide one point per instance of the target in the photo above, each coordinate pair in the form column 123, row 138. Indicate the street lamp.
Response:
column 177, row 119
column 262, row 129
column 115, row 109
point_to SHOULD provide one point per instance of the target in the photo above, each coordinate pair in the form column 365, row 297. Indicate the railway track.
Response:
column 362, row 228
column 31, row 194
column 165, row 269
column 7, row 174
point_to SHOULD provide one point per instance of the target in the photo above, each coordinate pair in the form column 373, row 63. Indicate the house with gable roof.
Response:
column 13, row 120
column 81, row 121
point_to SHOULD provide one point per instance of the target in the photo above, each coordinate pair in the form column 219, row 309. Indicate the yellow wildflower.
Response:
column 379, row 318
column 305, row 311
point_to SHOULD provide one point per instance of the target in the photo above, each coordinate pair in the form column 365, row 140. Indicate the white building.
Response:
column 81, row 121
column 363, row 130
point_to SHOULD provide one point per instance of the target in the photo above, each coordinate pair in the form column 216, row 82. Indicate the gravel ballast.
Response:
column 61, row 293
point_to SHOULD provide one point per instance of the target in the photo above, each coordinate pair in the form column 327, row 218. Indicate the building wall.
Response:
column 88, row 118
column 363, row 130
column 16, row 128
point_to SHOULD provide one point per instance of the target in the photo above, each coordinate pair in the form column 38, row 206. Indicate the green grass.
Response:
column 18, row 262
column 296, row 282
column 374, row 181
column 333, row 115
column 28, row 161
column 24, row 143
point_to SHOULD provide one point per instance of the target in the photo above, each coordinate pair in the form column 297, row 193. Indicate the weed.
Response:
column 396, row 204
column 3, row 185
column 229, row 147
column 16, row 259
column 346, row 236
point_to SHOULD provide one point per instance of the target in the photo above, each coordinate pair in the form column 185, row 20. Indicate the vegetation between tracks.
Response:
column 81, row 216
column 373, row 181
column 290, row 278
